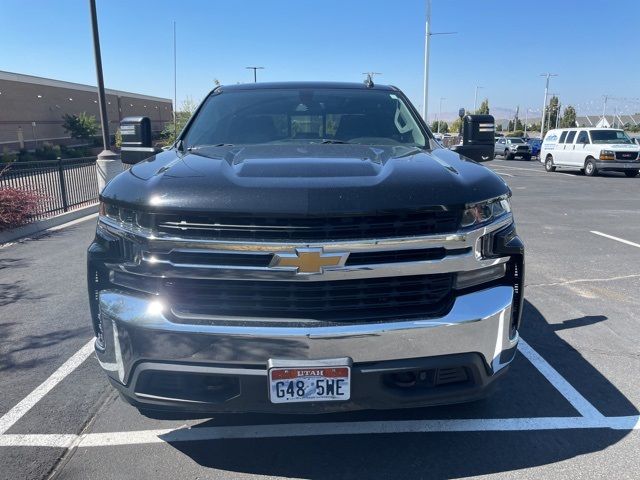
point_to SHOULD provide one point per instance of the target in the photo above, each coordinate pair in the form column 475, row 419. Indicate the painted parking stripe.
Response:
column 567, row 390
column 17, row 412
column 186, row 434
column 73, row 222
column 617, row 239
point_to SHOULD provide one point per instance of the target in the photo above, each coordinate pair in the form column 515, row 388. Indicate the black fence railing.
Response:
column 63, row 184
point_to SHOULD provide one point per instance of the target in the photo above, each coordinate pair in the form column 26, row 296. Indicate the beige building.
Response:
column 31, row 109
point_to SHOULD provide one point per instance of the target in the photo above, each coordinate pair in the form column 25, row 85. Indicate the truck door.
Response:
column 566, row 150
column 580, row 149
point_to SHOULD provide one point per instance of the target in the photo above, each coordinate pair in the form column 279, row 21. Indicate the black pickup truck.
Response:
column 305, row 247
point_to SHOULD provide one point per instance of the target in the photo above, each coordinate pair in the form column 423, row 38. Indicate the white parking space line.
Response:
column 73, row 222
column 532, row 170
column 17, row 412
column 186, row 434
column 591, row 418
column 574, row 397
column 503, row 174
column 617, row 239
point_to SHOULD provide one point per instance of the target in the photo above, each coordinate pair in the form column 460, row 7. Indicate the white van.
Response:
column 591, row 150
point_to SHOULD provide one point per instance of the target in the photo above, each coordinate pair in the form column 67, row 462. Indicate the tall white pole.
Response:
column 175, row 85
column 427, row 35
column 544, row 105
column 544, row 108
column 475, row 99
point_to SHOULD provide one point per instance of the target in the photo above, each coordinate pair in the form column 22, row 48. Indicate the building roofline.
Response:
column 50, row 82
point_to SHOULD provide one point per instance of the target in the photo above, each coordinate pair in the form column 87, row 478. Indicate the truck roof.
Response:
column 277, row 85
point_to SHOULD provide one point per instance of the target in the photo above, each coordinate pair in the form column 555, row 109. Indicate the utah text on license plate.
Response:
column 309, row 384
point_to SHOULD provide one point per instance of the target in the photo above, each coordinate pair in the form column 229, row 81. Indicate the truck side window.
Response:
column 562, row 137
column 571, row 136
column 583, row 137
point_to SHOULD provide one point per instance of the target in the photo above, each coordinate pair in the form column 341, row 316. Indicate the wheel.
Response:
column 548, row 164
column 631, row 173
column 590, row 169
column 526, row 157
column 507, row 155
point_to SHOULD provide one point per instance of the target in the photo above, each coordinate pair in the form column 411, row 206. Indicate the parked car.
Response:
column 304, row 248
column 535, row 144
column 590, row 150
column 512, row 147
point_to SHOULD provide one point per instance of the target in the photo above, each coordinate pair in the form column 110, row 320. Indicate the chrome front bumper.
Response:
column 612, row 165
column 136, row 331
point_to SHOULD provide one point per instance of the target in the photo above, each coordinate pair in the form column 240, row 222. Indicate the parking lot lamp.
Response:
column 475, row 99
column 255, row 75
column 108, row 164
column 544, row 105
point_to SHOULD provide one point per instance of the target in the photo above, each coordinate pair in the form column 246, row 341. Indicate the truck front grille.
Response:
column 350, row 301
column 629, row 156
column 253, row 228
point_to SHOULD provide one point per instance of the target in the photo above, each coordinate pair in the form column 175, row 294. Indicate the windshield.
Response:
column 273, row 116
column 516, row 140
column 609, row 136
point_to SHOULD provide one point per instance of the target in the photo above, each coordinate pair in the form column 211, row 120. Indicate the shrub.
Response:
column 17, row 207
column 81, row 126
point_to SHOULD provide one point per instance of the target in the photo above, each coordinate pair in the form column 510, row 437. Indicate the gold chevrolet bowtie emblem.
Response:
column 308, row 260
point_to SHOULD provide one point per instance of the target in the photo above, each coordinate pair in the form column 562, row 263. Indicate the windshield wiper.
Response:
column 330, row 141
column 197, row 147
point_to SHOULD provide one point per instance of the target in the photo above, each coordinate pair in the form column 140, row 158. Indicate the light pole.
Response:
column 175, row 85
column 427, row 35
column 255, row 75
column 107, row 163
column 475, row 99
column 544, row 105
column 440, row 113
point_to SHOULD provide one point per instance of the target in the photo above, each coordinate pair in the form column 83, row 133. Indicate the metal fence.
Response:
column 64, row 184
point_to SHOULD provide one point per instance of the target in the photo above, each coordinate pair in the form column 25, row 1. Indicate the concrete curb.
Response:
column 41, row 225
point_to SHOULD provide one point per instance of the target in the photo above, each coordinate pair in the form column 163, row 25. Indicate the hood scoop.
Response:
column 306, row 168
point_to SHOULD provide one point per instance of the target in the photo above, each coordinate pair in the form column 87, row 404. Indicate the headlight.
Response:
column 485, row 212
column 125, row 218
column 607, row 155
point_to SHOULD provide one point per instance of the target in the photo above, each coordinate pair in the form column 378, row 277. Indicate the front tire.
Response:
column 507, row 155
column 590, row 169
column 548, row 164
column 526, row 157
column 631, row 173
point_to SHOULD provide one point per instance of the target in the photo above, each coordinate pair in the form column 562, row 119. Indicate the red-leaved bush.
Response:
column 17, row 207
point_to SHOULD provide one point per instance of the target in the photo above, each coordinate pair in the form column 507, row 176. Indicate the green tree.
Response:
column 444, row 126
column 551, row 113
column 484, row 108
column 455, row 126
column 499, row 127
column 81, row 126
column 182, row 117
column 568, row 119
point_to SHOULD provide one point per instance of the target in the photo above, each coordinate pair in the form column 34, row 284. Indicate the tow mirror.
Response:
column 478, row 137
column 136, row 139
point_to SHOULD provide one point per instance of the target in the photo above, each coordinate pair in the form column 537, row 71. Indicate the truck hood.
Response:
column 304, row 180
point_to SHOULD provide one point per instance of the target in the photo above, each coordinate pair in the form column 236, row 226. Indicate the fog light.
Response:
column 482, row 275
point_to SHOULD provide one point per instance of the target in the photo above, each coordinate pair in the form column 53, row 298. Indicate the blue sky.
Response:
column 500, row 45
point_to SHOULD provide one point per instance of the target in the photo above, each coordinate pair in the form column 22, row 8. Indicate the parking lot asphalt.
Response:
column 567, row 409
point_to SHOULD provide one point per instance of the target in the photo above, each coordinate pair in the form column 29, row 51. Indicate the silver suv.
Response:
column 511, row 147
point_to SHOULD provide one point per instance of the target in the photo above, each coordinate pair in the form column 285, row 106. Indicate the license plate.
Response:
column 309, row 384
